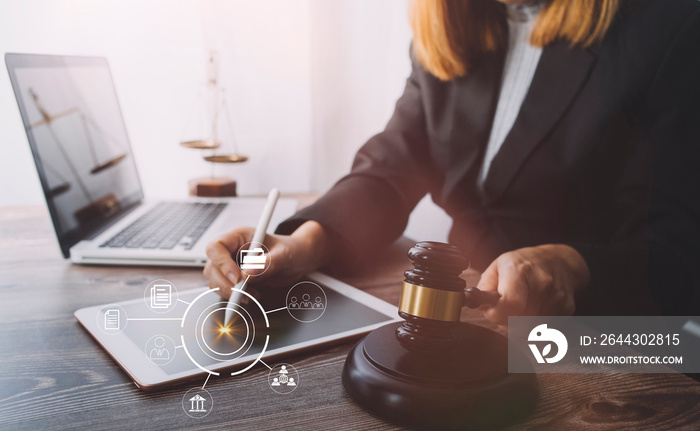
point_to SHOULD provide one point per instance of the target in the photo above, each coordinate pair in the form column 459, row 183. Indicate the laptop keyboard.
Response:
column 166, row 225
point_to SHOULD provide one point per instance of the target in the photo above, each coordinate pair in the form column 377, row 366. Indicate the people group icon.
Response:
column 283, row 379
column 305, row 303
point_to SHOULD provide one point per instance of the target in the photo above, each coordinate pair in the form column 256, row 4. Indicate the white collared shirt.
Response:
column 518, row 70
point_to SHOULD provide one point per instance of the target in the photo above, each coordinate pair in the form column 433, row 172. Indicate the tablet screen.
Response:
column 201, row 331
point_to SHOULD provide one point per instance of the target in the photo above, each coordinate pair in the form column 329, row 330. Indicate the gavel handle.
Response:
column 475, row 298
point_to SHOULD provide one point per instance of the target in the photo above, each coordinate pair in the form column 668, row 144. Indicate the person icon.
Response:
column 293, row 302
column 291, row 382
column 318, row 304
column 159, row 353
column 305, row 301
column 275, row 382
column 284, row 378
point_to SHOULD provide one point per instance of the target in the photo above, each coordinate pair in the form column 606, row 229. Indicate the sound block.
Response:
column 213, row 187
column 466, row 386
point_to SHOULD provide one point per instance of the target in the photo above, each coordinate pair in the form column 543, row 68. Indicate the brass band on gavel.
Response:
column 429, row 303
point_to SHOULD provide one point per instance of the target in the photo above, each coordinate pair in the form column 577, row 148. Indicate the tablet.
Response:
column 168, row 337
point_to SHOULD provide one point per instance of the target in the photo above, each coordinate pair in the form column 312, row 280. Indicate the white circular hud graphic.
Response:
column 283, row 378
column 220, row 342
column 253, row 258
column 197, row 403
column 224, row 344
column 160, row 296
column 306, row 301
column 111, row 319
column 160, row 349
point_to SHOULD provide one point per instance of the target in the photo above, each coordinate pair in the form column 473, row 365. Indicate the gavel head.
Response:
column 432, row 296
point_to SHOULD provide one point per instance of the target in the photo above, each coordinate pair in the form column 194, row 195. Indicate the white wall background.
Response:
column 308, row 82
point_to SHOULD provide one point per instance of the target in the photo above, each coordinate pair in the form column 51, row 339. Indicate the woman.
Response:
column 561, row 136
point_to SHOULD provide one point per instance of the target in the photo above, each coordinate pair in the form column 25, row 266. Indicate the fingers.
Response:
column 489, row 278
column 237, row 238
column 222, row 252
column 285, row 265
column 221, row 269
column 288, row 260
column 505, row 275
column 532, row 281
column 555, row 301
column 215, row 279
column 221, row 258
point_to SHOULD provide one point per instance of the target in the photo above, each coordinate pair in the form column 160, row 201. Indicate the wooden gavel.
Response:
column 434, row 290
column 432, row 370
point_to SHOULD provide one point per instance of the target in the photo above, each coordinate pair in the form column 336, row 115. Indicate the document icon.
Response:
column 253, row 259
column 112, row 320
column 161, row 296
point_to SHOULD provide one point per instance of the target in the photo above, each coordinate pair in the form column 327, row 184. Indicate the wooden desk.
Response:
column 53, row 376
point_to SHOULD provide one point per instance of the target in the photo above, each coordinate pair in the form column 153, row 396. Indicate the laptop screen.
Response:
column 76, row 132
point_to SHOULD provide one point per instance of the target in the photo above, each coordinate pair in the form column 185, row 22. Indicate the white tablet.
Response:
column 168, row 337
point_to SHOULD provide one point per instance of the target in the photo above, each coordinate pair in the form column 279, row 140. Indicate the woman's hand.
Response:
column 534, row 281
column 291, row 257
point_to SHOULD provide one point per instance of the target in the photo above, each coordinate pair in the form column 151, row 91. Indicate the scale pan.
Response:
column 201, row 144
column 59, row 189
column 108, row 164
column 226, row 158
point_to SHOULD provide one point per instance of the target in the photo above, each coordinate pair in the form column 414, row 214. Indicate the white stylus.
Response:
column 258, row 238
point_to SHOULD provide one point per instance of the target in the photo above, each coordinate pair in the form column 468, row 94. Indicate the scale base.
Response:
column 467, row 386
column 213, row 187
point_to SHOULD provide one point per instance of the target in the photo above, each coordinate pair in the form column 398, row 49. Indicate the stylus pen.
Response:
column 258, row 238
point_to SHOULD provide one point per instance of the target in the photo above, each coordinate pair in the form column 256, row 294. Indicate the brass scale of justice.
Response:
column 213, row 186
column 210, row 186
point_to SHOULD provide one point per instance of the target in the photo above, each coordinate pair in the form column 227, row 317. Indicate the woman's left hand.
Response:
column 534, row 281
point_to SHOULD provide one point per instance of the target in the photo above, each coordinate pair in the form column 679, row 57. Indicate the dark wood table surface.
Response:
column 54, row 376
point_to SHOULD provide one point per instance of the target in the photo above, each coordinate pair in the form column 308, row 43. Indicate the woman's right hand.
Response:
column 291, row 257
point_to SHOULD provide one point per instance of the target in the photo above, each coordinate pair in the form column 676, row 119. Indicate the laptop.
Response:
column 82, row 153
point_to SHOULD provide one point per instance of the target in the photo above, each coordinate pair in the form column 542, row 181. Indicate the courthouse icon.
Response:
column 197, row 404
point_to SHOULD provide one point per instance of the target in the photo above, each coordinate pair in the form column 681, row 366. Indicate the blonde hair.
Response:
column 449, row 34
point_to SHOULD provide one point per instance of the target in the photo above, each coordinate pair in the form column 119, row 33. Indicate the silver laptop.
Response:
column 83, row 157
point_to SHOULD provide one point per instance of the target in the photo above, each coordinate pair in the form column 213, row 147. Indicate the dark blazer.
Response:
column 604, row 156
